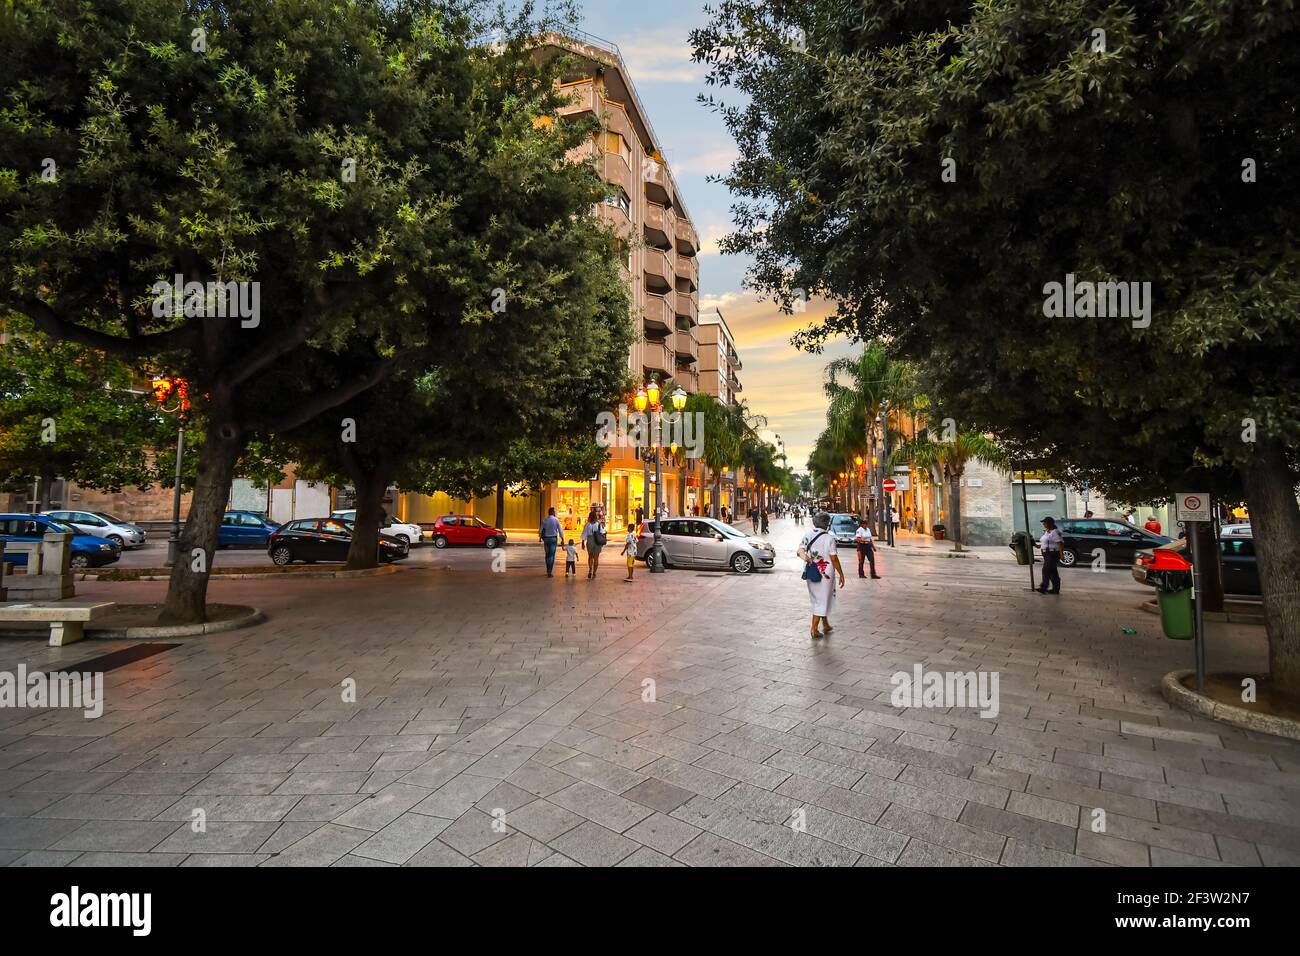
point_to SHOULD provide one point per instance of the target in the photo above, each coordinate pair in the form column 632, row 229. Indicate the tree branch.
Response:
column 334, row 397
column 135, row 346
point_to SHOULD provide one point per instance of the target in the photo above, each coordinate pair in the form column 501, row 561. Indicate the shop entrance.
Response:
column 572, row 504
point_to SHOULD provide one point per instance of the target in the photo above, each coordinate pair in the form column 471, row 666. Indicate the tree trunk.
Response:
column 954, row 511
column 1275, row 525
column 44, row 503
column 717, row 492
column 370, row 487
column 500, row 521
column 1212, row 572
column 187, row 590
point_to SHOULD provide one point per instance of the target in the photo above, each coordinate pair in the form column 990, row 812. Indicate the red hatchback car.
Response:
column 465, row 529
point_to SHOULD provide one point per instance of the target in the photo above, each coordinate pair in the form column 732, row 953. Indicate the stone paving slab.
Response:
column 518, row 730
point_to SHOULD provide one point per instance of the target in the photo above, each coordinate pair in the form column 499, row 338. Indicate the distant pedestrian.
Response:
column 1152, row 524
column 550, row 534
column 593, row 539
column 866, row 546
column 817, row 549
column 762, row 517
column 570, row 559
column 1051, row 544
column 640, row 515
column 629, row 548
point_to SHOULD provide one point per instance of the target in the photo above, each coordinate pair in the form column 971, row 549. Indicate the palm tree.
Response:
column 721, row 446
column 948, row 459
column 860, row 391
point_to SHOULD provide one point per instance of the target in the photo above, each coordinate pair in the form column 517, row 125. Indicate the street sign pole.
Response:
column 1193, row 508
column 1024, row 500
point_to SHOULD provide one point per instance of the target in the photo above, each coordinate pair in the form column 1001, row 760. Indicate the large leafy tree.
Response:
column 347, row 157
column 932, row 168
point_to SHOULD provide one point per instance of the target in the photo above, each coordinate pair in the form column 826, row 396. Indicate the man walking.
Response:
column 866, row 546
column 1051, row 544
column 550, row 533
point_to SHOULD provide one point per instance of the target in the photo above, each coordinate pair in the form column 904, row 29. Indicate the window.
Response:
column 449, row 520
column 619, row 200
column 1117, row 528
column 1237, row 548
column 615, row 143
column 250, row 521
column 230, row 520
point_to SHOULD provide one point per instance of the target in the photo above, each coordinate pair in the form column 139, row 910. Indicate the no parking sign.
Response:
column 1192, row 506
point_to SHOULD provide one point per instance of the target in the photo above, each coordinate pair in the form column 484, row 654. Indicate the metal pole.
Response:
column 173, row 539
column 1192, row 533
column 1024, row 500
column 657, row 549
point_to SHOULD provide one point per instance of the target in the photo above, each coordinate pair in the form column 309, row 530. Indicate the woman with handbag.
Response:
column 593, row 539
column 817, row 550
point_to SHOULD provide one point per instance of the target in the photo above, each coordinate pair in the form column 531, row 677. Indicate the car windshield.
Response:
column 107, row 517
column 843, row 524
column 64, row 526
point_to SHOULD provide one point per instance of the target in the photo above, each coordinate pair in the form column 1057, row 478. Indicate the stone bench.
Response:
column 67, row 619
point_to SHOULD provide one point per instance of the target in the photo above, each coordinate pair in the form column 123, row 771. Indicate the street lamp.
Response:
column 165, row 388
column 651, row 396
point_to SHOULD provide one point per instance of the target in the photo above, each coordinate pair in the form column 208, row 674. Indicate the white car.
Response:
column 405, row 531
column 103, row 525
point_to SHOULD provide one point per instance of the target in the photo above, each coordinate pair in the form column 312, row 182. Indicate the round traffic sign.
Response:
column 1192, row 503
column 889, row 485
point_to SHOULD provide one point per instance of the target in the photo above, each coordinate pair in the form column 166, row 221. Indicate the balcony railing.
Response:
column 658, row 226
column 656, row 357
column 658, row 271
column 686, row 346
column 688, row 243
column 688, row 268
column 687, row 307
column 658, row 315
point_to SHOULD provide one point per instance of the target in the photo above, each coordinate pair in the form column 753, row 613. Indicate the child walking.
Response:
column 629, row 548
column 570, row 559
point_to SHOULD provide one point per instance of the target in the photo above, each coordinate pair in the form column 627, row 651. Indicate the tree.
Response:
column 71, row 412
column 340, row 164
column 721, row 444
column 935, row 169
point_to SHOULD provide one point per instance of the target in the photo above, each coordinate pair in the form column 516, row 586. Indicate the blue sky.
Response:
column 779, row 381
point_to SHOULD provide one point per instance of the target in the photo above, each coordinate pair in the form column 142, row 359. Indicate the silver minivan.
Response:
column 103, row 525
column 706, row 543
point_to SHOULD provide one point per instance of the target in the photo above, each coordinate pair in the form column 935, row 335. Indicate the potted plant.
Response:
column 939, row 530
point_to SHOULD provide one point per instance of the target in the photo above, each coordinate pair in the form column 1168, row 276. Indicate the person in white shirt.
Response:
column 866, row 547
column 1051, row 544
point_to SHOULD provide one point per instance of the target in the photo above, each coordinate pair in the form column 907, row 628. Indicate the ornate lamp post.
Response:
column 651, row 397
column 165, row 388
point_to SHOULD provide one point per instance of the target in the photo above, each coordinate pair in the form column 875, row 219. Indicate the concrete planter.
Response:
column 1177, row 693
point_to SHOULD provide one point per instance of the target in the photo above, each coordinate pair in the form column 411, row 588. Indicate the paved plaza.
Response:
column 683, row 719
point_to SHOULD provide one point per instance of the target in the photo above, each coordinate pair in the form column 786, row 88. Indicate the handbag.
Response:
column 811, row 573
column 599, row 537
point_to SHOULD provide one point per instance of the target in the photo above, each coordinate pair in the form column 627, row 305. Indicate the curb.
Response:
column 265, row 576
column 1175, row 692
column 253, row 617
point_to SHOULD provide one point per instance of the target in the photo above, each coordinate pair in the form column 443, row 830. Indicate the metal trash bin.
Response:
column 1023, row 546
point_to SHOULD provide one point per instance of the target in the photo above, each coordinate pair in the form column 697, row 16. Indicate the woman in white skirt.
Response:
column 818, row 550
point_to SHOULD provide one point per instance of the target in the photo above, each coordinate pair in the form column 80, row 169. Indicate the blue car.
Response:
column 244, row 529
column 87, row 550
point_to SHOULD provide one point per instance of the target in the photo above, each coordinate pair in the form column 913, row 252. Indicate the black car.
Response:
column 324, row 539
column 1118, row 540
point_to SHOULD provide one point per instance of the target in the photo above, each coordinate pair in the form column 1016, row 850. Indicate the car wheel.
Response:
column 489, row 542
column 404, row 539
column 1068, row 558
column 117, row 540
column 282, row 556
column 742, row 563
column 80, row 562
column 439, row 541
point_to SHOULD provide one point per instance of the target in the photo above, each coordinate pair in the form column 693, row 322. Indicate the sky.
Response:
column 780, row 382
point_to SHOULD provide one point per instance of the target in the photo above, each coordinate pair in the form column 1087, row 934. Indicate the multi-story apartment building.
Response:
column 719, row 360
column 663, row 275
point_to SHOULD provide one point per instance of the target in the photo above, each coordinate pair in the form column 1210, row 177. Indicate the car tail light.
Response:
column 1163, row 560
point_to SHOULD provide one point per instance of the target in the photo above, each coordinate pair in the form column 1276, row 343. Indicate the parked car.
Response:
column 100, row 524
column 705, row 543
column 465, row 529
column 1236, row 559
column 1118, row 540
column 403, row 530
column 244, row 529
column 324, row 539
column 87, row 550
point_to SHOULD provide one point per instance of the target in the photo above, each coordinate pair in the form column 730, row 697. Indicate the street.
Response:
column 682, row 719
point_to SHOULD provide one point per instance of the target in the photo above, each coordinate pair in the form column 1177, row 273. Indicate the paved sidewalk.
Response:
column 508, row 719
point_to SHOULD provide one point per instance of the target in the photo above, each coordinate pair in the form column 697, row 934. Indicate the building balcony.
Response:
column 582, row 98
column 659, row 318
column 656, row 358
column 658, row 187
column 615, row 170
column 687, row 268
column 687, row 307
column 686, row 346
column 735, row 384
column 658, row 270
column 688, row 242
column 658, row 226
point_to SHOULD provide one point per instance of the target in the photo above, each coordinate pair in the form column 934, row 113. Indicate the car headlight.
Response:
column 105, row 547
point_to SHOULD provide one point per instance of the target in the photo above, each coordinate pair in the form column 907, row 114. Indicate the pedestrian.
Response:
column 593, row 539
column 640, row 515
column 817, row 549
column 629, row 548
column 866, row 547
column 571, row 559
column 1152, row 524
column 550, row 534
column 763, row 520
column 1051, row 544
column 896, row 519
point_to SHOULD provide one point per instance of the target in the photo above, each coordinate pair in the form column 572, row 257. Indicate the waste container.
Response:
column 1023, row 545
column 1172, row 576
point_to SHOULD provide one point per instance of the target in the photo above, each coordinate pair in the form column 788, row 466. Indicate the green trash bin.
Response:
column 1177, row 615
column 1023, row 545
